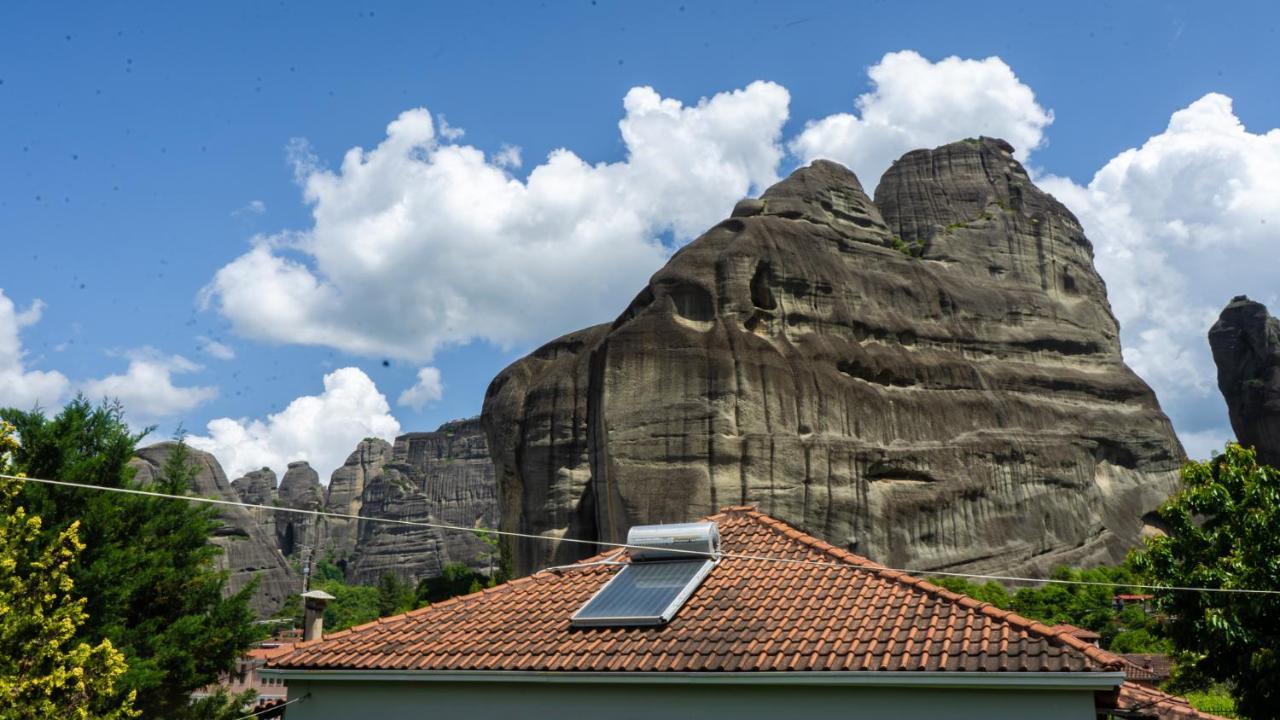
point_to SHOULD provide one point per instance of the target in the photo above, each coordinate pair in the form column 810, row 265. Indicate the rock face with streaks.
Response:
column 1246, row 348
column 300, row 489
column 345, row 495
column 443, row 477
column 932, row 379
column 248, row 550
column 258, row 487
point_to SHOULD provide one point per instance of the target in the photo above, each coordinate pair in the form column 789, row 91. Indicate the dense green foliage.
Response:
column 147, row 567
column 1223, row 533
column 44, row 670
column 394, row 596
column 1131, row 630
column 1216, row 699
column 455, row 579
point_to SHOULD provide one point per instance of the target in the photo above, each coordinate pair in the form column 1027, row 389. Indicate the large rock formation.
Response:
column 248, row 551
column 1246, row 349
column 345, row 493
column 443, row 477
column 258, row 487
column 933, row 379
column 300, row 489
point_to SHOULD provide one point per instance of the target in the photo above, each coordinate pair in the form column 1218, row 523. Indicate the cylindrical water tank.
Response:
column 673, row 542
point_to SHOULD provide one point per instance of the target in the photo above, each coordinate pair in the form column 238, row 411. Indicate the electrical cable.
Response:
column 870, row 567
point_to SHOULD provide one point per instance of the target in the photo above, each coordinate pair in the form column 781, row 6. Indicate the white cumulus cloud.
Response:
column 426, row 390
column 422, row 242
column 20, row 386
column 321, row 429
column 916, row 103
column 1180, row 225
column 216, row 349
column 146, row 388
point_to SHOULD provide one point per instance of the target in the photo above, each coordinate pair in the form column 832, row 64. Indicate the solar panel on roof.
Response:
column 644, row 593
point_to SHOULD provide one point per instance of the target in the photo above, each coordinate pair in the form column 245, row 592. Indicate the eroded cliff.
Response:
column 1246, row 348
column 933, row 379
column 442, row 477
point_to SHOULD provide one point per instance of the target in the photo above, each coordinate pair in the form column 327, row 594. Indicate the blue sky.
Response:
column 148, row 147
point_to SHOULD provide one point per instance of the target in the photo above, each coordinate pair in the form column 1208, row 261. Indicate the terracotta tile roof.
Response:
column 1138, row 701
column 1079, row 632
column 269, row 650
column 1147, row 668
column 747, row 616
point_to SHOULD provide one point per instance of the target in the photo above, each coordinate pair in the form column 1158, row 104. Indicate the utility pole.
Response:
column 306, row 567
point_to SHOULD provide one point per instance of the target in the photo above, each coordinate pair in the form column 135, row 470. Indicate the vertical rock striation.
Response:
column 258, row 487
column 345, row 493
column 933, row 378
column 299, row 489
column 1246, row 348
column 443, row 477
column 248, row 551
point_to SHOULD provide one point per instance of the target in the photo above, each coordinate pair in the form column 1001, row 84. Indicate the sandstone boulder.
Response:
column 1246, row 348
column 443, row 477
column 345, row 492
column 933, row 379
column 299, row 489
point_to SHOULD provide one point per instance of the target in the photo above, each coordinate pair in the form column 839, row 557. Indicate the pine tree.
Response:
column 44, row 671
column 147, row 566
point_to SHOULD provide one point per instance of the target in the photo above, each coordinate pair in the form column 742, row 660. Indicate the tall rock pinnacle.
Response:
column 1246, row 348
column 933, row 379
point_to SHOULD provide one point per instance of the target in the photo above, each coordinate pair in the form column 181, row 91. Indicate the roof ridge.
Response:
column 1094, row 653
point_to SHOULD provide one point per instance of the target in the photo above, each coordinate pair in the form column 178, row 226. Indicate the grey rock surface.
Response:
column 442, row 477
column 345, row 495
column 248, row 551
column 300, row 489
column 1246, row 348
column 258, row 487
column 932, row 379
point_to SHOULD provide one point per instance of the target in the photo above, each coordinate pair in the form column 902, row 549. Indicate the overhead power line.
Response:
column 625, row 546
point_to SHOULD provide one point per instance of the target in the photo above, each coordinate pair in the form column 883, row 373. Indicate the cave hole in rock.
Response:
column 692, row 302
column 1069, row 284
column 287, row 542
column 761, row 294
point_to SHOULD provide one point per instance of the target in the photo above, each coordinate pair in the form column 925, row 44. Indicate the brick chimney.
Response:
column 313, row 604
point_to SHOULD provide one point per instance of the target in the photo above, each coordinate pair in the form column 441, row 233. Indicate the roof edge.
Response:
column 1061, row 680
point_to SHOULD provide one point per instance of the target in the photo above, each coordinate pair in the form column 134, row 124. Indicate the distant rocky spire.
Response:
column 1246, row 348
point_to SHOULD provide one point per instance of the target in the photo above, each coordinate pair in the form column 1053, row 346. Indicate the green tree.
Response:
column 156, row 594
column 991, row 591
column 455, row 579
column 1085, row 606
column 1222, row 534
column 394, row 596
column 44, row 671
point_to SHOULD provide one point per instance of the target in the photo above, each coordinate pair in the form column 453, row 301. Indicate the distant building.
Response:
column 1088, row 636
column 271, row 691
column 1148, row 669
column 1123, row 600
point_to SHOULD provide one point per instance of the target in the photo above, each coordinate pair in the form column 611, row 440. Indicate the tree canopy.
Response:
column 147, row 568
column 1092, row 606
column 1222, row 533
column 44, row 671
